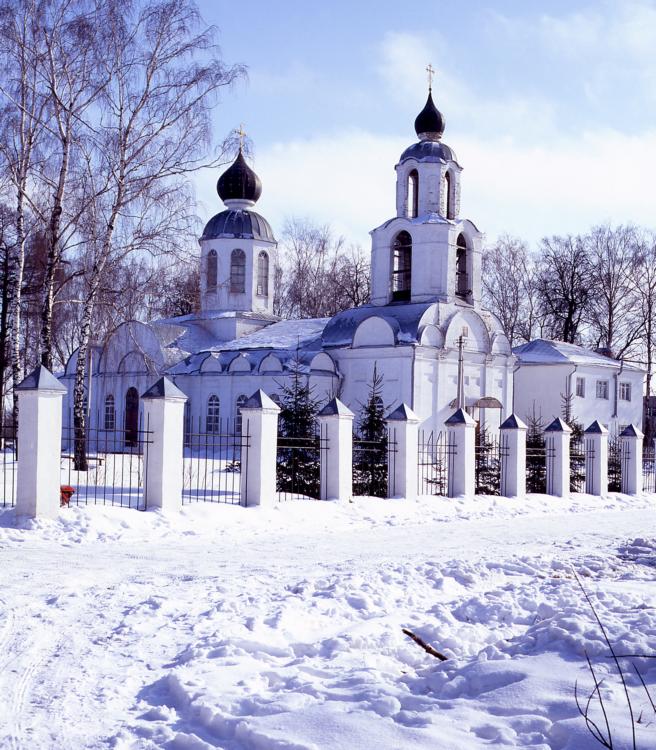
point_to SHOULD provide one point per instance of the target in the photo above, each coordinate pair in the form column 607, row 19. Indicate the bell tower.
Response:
column 427, row 252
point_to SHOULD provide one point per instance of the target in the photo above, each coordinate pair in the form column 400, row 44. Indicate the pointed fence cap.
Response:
column 596, row 428
column 558, row 426
column 41, row 379
column 513, row 422
column 631, row 431
column 259, row 400
column 459, row 417
column 164, row 389
column 335, row 408
column 402, row 413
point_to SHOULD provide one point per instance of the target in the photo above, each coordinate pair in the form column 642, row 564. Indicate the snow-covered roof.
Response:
column 549, row 352
column 404, row 319
column 287, row 335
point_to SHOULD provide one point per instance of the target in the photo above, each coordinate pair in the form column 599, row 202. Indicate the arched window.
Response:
column 110, row 413
column 212, row 417
column 212, row 269
column 401, row 266
column 238, row 271
column 241, row 400
column 462, row 277
column 263, row 274
column 187, row 423
column 448, row 198
column 132, row 417
column 413, row 194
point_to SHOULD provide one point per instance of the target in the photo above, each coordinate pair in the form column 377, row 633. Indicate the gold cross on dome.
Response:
column 242, row 134
column 431, row 72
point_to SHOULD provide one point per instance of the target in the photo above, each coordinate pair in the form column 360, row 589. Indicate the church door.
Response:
column 131, row 417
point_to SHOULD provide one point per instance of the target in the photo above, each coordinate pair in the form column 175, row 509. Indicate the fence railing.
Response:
column 371, row 465
column 104, row 467
column 298, row 465
column 9, row 459
column 489, row 455
column 649, row 470
column 579, row 468
column 212, row 462
column 435, row 456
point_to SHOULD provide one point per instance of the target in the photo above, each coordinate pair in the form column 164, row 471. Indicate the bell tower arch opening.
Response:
column 463, row 282
column 401, row 267
column 413, row 194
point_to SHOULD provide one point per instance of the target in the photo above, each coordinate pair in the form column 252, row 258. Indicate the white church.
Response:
column 425, row 314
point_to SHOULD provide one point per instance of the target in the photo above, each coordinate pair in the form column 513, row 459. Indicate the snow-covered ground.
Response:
column 281, row 628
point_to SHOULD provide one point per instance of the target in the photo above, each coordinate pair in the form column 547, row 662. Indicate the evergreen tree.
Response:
column 576, row 447
column 487, row 464
column 536, row 457
column 370, row 445
column 298, row 469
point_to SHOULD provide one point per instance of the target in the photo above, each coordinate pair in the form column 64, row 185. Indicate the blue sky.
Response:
column 551, row 107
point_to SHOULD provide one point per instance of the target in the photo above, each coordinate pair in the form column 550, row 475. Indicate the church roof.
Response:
column 238, row 223
column 404, row 319
column 434, row 151
column 549, row 352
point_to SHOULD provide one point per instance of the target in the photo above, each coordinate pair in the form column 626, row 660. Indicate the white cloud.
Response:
column 560, row 186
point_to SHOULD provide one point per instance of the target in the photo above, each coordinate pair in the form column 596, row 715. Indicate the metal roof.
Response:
column 238, row 223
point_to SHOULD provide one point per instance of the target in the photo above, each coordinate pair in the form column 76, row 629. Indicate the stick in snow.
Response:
column 426, row 646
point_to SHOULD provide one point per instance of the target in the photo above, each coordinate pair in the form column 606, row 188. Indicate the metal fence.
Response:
column 298, row 465
column 489, row 455
column 371, row 465
column 104, row 467
column 614, row 465
column 212, row 462
column 9, row 458
column 649, row 470
column 435, row 460
column 536, row 463
column 578, row 465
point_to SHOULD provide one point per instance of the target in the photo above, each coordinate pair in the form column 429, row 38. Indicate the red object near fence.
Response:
column 66, row 492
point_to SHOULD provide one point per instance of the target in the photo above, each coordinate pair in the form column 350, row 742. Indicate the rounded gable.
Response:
column 374, row 331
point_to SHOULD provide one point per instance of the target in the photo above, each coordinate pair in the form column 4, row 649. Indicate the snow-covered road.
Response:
column 251, row 629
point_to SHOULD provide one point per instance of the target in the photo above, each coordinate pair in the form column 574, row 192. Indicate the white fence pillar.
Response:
column 631, row 446
column 259, row 418
column 38, row 480
column 596, row 459
column 336, row 451
column 461, row 435
column 513, row 457
column 403, row 433
column 163, row 445
column 557, row 436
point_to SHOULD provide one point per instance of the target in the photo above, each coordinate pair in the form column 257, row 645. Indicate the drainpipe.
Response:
column 569, row 387
column 617, row 389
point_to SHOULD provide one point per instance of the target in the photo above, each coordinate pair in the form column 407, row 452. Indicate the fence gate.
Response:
column 615, row 465
column 9, row 458
column 648, row 468
column 212, row 461
column 105, row 467
column 536, row 463
column 435, row 460
column 371, row 465
column 298, row 465
column 578, row 464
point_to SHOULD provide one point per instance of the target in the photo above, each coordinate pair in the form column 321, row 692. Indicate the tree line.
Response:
column 597, row 289
column 104, row 113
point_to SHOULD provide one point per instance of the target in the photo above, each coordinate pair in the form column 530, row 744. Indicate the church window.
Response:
column 263, row 274
column 212, row 269
column 238, row 271
column 241, row 400
column 602, row 389
column 212, row 417
column 187, row 423
column 131, row 417
column 401, row 266
column 413, row 194
column 448, row 203
column 462, row 277
column 110, row 413
column 625, row 391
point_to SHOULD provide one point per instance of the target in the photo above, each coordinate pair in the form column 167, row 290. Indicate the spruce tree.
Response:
column 536, row 457
column 487, row 464
column 576, row 447
column 370, row 445
column 298, row 470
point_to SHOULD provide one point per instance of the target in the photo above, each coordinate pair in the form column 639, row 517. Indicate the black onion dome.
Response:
column 238, row 223
column 239, row 182
column 429, row 151
column 430, row 121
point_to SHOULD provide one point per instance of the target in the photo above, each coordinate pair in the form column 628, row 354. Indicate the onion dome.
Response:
column 429, row 124
column 239, row 183
column 238, row 223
